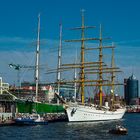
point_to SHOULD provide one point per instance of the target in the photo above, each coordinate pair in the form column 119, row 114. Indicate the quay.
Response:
column 7, row 123
column 133, row 109
column 51, row 118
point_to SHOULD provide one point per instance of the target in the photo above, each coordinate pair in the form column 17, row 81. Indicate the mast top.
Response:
column 100, row 31
column 83, row 11
column 38, row 15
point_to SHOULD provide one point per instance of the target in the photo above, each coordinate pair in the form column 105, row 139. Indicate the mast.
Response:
column 86, row 67
column 37, row 58
column 75, row 78
column 82, row 64
column 59, row 61
column 75, row 84
column 112, row 75
column 100, row 66
column 82, row 60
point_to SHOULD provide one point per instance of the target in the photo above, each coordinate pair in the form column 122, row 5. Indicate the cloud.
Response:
column 126, row 57
column 127, row 42
column 14, row 40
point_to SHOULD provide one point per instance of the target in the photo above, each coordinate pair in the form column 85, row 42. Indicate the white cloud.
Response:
column 126, row 56
column 14, row 40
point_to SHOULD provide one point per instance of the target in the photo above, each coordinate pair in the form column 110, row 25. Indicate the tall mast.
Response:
column 112, row 75
column 100, row 66
column 59, row 61
column 75, row 78
column 75, row 84
column 82, row 63
column 37, row 57
column 82, row 60
column 88, row 68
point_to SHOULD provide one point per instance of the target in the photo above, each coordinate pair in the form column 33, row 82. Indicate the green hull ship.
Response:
column 29, row 107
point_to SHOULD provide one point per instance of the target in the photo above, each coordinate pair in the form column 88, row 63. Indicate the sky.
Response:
column 120, row 20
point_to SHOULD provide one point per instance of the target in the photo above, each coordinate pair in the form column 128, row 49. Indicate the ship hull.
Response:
column 82, row 113
column 28, row 107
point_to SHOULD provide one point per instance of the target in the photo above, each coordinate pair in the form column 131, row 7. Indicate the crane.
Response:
column 18, row 67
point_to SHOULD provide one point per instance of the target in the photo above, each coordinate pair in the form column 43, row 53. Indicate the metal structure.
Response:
column 18, row 67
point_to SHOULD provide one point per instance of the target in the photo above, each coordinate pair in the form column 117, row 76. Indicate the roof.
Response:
column 132, row 77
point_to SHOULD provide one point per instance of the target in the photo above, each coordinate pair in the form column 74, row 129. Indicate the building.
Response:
column 131, row 90
column 3, row 86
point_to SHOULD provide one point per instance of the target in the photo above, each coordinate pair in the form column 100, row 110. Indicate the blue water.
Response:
column 74, row 131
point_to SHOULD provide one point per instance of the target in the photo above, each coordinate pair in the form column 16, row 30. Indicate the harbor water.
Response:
column 74, row 131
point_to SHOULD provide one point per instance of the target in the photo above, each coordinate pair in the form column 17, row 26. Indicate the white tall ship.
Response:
column 103, row 110
column 82, row 113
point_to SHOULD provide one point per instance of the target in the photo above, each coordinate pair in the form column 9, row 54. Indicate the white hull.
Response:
column 81, row 113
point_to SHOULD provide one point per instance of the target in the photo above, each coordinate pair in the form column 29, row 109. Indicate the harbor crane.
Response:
column 18, row 68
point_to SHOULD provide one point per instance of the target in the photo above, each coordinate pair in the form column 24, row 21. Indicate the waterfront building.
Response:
column 131, row 90
column 3, row 86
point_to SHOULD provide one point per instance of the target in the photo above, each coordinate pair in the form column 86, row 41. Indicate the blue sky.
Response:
column 18, row 17
column 18, row 30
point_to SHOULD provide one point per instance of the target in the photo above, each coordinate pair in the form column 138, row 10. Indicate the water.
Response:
column 74, row 131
